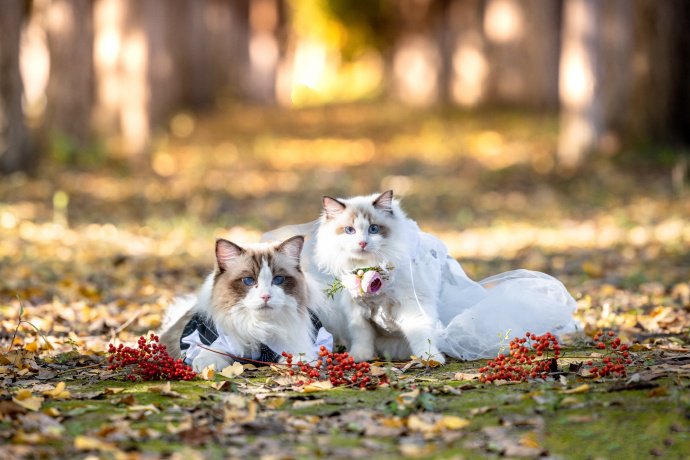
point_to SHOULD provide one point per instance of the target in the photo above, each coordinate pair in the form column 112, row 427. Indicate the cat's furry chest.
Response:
column 380, row 311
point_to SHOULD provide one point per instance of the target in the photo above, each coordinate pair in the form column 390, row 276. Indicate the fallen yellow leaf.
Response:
column 408, row 398
column 91, row 443
column 317, row 386
column 28, row 438
column 581, row 389
column 233, row 370
column 569, row 401
column 392, row 422
column 251, row 412
column 30, row 402
column 209, row 372
column 452, row 422
column 415, row 423
column 58, row 392
column 529, row 439
column 52, row 411
column 23, row 394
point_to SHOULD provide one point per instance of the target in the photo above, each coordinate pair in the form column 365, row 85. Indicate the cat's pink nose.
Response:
column 266, row 298
column 362, row 244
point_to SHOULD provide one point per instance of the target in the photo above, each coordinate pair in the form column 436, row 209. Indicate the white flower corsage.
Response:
column 361, row 281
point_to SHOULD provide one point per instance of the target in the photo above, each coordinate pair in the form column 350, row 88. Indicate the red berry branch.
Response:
column 150, row 361
column 535, row 356
column 338, row 368
column 616, row 356
column 532, row 356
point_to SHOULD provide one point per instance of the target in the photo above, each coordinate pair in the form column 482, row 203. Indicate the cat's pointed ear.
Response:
column 226, row 251
column 384, row 202
column 332, row 207
column 292, row 247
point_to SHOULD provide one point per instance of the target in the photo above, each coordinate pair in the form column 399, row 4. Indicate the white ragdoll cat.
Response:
column 255, row 304
column 419, row 301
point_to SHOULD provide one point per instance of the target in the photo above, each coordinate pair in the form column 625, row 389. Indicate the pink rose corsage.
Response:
column 361, row 282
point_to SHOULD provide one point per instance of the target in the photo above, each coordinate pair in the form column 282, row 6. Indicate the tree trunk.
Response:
column 469, row 62
column 616, row 58
column 580, row 82
column 416, row 70
column 69, row 28
column 217, row 50
column 522, row 44
column 660, row 105
column 15, row 152
column 266, row 20
column 541, row 45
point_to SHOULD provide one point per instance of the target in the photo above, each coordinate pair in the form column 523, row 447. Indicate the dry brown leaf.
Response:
column 465, row 376
column 252, row 410
column 144, row 408
column 481, row 410
column 113, row 390
column 165, row 390
column 308, row 403
column 220, row 386
column 377, row 371
column 656, row 392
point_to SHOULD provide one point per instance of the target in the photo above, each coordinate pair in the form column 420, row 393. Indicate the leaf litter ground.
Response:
column 96, row 254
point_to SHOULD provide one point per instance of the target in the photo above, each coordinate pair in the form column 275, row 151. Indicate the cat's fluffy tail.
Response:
column 176, row 317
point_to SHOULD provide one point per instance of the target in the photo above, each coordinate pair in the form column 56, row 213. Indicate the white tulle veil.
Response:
column 474, row 318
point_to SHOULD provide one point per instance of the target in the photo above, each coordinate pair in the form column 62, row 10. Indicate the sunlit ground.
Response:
column 94, row 252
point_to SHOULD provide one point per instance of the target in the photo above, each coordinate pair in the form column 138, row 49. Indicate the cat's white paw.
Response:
column 362, row 354
column 206, row 358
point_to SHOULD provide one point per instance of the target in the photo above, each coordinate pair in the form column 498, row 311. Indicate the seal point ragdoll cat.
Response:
column 253, row 305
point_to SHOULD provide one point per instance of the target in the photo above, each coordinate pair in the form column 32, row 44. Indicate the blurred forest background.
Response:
column 80, row 75
column 546, row 134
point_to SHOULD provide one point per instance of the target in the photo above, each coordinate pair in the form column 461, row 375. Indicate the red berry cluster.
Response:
column 532, row 356
column 150, row 361
column 616, row 359
column 338, row 368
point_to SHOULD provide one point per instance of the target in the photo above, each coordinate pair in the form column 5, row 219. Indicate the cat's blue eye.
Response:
column 248, row 281
column 278, row 280
column 374, row 229
column 349, row 230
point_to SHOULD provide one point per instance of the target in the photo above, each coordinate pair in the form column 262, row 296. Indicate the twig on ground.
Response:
column 64, row 371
